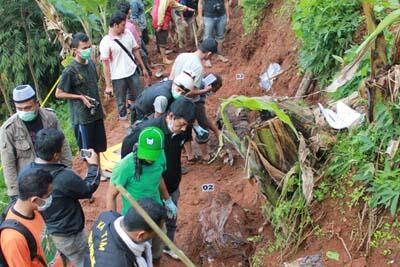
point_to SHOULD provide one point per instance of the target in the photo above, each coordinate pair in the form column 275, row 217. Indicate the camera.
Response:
column 85, row 153
column 95, row 106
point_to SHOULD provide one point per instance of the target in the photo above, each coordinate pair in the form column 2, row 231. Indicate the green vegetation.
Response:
column 63, row 115
column 3, row 192
column 325, row 28
column 251, row 13
column 361, row 154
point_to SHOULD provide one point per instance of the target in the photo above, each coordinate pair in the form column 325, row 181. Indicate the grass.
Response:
column 3, row 191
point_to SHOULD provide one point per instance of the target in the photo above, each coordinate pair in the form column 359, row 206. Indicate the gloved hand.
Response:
column 199, row 130
column 171, row 208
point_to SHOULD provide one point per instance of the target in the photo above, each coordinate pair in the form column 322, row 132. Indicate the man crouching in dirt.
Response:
column 122, row 241
column 174, row 123
column 140, row 174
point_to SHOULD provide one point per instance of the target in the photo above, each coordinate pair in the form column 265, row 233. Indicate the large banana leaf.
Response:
column 252, row 103
column 348, row 72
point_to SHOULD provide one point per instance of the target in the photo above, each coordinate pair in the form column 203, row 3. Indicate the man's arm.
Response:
column 9, row 162
column 111, row 201
column 192, row 93
column 136, row 52
column 64, row 95
column 226, row 2
column 163, row 190
column 107, row 76
column 200, row 11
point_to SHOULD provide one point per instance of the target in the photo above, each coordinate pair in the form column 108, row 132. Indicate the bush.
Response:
column 3, row 191
column 63, row 116
column 325, row 28
column 251, row 12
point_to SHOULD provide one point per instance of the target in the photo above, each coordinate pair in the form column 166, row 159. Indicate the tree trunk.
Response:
column 30, row 56
column 6, row 100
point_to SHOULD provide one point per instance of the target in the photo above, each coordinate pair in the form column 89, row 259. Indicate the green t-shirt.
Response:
column 147, row 186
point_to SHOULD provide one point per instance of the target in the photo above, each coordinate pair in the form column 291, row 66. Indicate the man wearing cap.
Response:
column 157, row 98
column 17, row 136
column 140, row 174
column 174, row 124
column 122, row 241
column 193, row 62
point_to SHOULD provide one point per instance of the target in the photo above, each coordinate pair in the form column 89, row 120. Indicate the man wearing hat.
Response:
column 174, row 124
column 193, row 62
column 140, row 174
column 17, row 136
column 157, row 98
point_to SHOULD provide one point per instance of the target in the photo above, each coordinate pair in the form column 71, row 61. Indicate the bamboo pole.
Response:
column 155, row 227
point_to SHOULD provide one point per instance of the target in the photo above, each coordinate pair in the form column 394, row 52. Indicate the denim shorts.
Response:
column 215, row 28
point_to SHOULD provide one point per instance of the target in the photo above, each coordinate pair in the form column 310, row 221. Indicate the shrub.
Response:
column 251, row 12
column 325, row 28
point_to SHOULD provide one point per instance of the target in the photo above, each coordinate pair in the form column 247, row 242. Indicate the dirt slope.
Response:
column 250, row 55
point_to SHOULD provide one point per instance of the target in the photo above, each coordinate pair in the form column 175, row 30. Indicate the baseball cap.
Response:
column 209, row 45
column 150, row 144
column 185, row 80
column 23, row 93
column 183, row 108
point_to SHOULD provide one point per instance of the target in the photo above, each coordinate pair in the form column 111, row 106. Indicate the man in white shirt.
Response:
column 193, row 63
column 120, row 55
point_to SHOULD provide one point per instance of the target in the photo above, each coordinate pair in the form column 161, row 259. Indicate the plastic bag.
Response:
column 267, row 78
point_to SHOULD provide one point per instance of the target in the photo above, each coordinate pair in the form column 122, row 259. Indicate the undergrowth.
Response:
column 3, row 192
column 325, row 28
column 251, row 13
column 63, row 117
column 360, row 154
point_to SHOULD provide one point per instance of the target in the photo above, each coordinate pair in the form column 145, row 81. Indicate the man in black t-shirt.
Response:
column 79, row 85
column 174, row 124
column 214, row 14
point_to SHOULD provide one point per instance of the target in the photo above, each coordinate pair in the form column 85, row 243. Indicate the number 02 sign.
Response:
column 207, row 187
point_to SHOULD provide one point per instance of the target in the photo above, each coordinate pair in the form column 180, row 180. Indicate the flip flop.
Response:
column 194, row 160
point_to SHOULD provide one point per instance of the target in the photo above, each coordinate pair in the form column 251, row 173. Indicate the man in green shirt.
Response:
column 140, row 174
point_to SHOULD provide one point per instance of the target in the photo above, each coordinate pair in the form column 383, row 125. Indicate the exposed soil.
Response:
column 274, row 41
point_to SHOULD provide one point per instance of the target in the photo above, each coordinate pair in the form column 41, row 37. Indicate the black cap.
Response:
column 209, row 45
column 183, row 108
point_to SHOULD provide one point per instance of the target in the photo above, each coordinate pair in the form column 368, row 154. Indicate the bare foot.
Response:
column 222, row 58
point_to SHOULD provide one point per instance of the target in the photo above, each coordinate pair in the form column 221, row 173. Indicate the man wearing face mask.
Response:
column 18, row 134
column 64, row 218
column 174, row 124
column 157, row 98
column 140, row 174
column 79, row 86
column 122, row 241
column 34, row 196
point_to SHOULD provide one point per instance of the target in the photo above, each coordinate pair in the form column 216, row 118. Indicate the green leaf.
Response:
column 332, row 255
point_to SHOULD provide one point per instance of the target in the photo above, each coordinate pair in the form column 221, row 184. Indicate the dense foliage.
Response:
column 251, row 12
column 325, row 28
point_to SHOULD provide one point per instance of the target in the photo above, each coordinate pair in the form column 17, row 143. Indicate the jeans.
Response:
column 72, row 247
column 215, row 27
column 171, row 223
column 182, row 30
column 129, row 87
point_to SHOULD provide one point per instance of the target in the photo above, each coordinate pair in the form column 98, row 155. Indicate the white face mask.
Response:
column 47, row 203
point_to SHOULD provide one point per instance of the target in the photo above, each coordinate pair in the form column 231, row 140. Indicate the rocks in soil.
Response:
column 315, row 260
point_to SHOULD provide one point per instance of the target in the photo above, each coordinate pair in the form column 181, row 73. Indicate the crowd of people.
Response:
column 44, row 224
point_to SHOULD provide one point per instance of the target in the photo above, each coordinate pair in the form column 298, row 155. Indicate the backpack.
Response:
column 17, row 226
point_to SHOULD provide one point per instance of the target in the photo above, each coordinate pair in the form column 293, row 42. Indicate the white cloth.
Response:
column 344, row 117
column 136, row 249
column 121, row 65
column 189, row 61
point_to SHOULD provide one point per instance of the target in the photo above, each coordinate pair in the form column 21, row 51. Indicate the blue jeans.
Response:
column 215, row 28
column 129, row 87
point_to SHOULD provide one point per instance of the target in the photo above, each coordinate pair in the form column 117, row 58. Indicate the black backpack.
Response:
column 30, row 239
